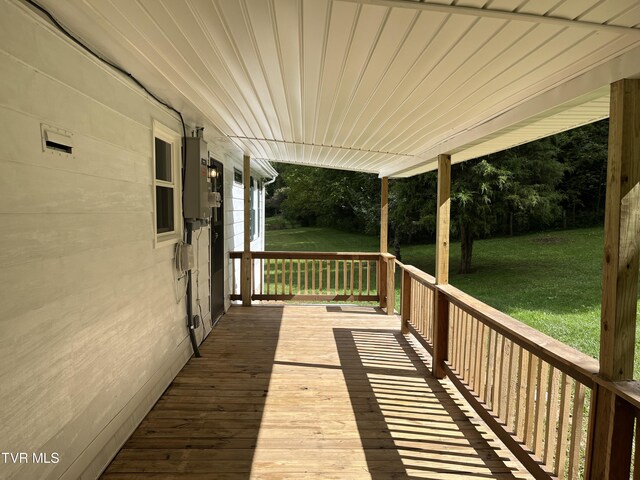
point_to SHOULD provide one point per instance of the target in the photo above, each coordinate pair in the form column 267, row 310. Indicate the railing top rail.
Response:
column 629, row 390
column 573, row 362
column 418, row 275
column 311, row 255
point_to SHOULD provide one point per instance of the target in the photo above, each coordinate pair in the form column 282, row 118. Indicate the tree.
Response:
column 583, row 151
column 520, row 183
column 477, row 185
column 328, row 197
column 412, row 207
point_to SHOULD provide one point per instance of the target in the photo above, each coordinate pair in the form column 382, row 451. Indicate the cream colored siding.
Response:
column 92, row 319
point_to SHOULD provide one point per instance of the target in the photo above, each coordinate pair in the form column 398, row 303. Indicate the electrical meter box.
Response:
column 197, row 187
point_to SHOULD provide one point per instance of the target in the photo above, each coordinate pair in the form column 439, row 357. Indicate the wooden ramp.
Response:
column 311, row 392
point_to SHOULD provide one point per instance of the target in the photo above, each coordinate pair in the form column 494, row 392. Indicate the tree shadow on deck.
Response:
column 410, row 425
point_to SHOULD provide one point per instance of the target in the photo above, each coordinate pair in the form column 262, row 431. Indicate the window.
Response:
column 258, row 215
column 166, row 184
column 252, row 205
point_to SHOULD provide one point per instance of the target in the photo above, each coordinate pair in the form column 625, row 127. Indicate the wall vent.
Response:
column 56, row 140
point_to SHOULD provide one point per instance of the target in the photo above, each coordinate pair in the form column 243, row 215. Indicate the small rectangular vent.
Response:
column 58, row 147
column 56, row 140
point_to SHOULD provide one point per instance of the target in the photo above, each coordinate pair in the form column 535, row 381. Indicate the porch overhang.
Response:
column 380, row 86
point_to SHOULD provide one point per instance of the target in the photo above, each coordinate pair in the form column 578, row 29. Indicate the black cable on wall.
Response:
column 187, row 227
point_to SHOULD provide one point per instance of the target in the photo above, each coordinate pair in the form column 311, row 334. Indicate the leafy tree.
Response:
column 515, row 191
column 328, row 197
column 412, row 207
column 477, row 185
column 583, row 151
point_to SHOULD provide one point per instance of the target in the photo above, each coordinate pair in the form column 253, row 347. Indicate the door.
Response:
column 217, row 246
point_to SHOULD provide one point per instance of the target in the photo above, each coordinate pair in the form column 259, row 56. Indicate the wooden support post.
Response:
column 611, row 429
column 246, row 277
column 441, row 303
column 382, row 281
column 391, row 284
column 405, row 310
column 384, row 215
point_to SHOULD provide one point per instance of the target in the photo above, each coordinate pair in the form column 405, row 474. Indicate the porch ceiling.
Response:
column 381, row 86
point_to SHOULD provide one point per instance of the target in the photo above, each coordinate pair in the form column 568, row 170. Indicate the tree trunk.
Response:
column 396, row 245
column 466, row 249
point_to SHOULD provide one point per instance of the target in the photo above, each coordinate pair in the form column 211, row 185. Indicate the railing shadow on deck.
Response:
column 410, row 425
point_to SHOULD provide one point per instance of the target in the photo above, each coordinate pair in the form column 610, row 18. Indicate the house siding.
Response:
column 91, row 326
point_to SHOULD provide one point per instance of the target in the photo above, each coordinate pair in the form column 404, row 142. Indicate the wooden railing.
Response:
column 315, row 276
column 533, row 391
column 536, row 393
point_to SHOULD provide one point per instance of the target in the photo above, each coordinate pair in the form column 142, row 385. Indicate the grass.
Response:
column 550, row 281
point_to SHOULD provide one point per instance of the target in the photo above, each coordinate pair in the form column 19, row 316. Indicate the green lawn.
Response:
column 550, row 281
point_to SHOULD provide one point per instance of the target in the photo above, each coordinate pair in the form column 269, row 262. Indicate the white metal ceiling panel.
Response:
column 371, row 85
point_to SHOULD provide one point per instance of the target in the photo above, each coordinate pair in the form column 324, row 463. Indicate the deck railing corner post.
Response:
column 391, row 284
column 382, row 281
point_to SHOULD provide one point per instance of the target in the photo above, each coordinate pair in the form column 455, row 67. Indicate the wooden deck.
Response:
column 311, row 392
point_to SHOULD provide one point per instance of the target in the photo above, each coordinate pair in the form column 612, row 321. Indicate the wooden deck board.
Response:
column 311, row 392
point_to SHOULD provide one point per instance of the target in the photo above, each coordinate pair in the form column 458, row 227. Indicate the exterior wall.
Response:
column 92, row 323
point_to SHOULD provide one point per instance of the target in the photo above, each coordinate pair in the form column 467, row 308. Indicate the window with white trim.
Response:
column 166, row 185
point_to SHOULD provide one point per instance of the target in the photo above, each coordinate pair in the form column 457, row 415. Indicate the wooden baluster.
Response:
column 504, row 379
column 320, row 276
column 529, row 416
column 552, row 418
column 491, row 369
column 459, row 340
column 313, row 277
column 413, row 316
column 473, row 351
column 424, row 313
column 563, row 426
column 306, row 277
column 337, row 276
column 453, row 351
column 368, row 277
column 497, row 381
column 480, row 348
column 360, row 290
column 575, row 445
column 521, row 392
column 507, row 352
column 351, row 276
column 406, row 301
column 253, row 284
column 328, row 277
column 344, row 276
column 513, row 385
column 291, row 276
column 541, row 392
column 465, row 340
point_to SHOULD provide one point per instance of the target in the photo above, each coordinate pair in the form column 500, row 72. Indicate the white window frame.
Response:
column 173, row 138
